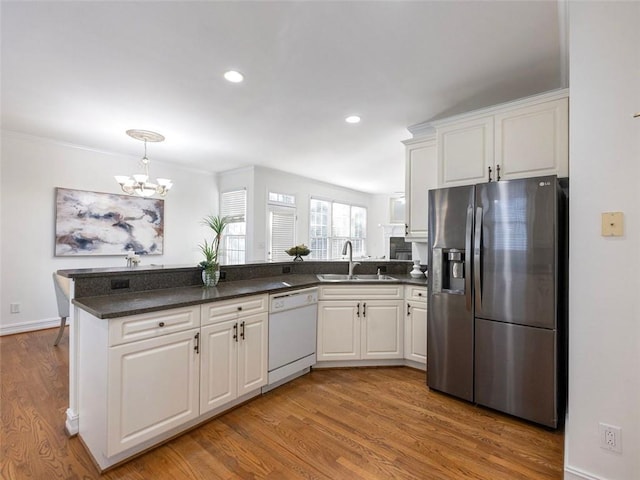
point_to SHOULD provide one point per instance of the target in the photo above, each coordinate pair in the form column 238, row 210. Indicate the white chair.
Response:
column 61, row 285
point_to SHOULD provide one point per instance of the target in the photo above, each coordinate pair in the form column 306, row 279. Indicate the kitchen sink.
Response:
column 339, row 277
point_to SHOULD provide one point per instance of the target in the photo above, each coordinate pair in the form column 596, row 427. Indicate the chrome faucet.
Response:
column 348, row 246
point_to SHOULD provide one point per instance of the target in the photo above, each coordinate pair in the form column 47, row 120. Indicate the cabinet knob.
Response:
column 419, row 294
column 161, row 324
column 239, row 309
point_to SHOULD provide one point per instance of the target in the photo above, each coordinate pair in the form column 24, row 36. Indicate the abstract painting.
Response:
column 91, row 223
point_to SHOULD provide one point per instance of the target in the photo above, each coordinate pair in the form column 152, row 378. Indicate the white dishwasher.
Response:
column 292, row 335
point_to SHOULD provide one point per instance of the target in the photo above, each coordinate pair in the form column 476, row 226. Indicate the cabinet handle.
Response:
column 489, row 173
column 364, row 309
column 197, row 347
column 498, row 173
column 406, row 229
column 408, row 309
column 358, row 310
column 161, row 324
column 242, row 331
column 235, row 332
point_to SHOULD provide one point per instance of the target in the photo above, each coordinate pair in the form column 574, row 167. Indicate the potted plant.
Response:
column 298, row 252
column 210, row 265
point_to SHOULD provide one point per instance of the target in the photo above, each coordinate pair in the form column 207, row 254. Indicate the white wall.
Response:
column 31, row 170
column 604, row 351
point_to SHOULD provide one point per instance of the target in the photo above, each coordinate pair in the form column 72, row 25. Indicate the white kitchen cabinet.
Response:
column 138, row 379
column 465, row 152
column 154, row 386
column 360, row 322
column 533, row 140
column 421, row 172
column 415, row 327
column 338, row 330
column 234, row 350
column 524, row 138
column 382, row 329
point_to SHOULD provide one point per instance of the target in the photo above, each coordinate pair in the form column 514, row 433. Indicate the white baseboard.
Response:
column 572, row 473
column 21, row 327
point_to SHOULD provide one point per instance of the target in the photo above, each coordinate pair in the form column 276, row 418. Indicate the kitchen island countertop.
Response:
column 132, row 303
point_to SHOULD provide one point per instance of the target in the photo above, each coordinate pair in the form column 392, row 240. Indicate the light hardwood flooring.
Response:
column 374, row 423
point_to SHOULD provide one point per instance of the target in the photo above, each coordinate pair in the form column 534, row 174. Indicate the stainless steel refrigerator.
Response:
column 497, row 295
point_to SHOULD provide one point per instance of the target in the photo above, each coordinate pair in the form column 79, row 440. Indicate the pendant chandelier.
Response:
column 139, row 184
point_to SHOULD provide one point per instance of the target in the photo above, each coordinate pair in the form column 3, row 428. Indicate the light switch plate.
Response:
column 612, row 224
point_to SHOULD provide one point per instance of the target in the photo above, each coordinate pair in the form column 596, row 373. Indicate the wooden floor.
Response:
column 378, row 423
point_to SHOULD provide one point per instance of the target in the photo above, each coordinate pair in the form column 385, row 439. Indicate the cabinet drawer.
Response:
column 237, row 307
column 360, row 292
column 415, row 294
column 154, row 324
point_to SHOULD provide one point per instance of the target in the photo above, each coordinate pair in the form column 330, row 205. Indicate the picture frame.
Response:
column 93, row 223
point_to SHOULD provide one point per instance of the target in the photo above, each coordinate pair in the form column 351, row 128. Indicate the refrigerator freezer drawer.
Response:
column 516, row 370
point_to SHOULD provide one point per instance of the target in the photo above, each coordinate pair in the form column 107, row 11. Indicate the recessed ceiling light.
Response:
column 233, row 76
column 352, row 119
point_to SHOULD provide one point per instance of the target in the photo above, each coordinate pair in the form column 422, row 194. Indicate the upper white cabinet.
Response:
column 465, row 152
column 524, row 138
column 533, row 140
column 421, row 175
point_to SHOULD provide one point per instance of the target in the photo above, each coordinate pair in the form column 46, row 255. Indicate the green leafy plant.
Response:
column 210, row 250
column 301, row 249
column 210, row 261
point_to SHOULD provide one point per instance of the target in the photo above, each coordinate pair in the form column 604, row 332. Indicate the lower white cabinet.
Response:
column 415, row 324
column 234, row 359
column 366, row 328
column 153, row 388
column 144, row 378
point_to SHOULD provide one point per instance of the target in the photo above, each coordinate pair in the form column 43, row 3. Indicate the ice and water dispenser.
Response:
column 448, row 270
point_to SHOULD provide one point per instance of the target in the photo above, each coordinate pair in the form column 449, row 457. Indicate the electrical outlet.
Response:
column 118, row 283
column 15, row 308
column 610, row 437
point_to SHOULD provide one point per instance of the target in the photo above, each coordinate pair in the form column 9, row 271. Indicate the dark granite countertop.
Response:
column 120, row 305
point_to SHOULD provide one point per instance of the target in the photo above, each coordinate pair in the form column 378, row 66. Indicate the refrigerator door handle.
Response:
column 477, row 260
column 467, row 258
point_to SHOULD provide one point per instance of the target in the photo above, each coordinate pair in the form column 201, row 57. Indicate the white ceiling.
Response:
column 84, row 72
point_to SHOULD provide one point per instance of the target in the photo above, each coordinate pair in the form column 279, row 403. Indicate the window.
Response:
column 282, row 198
column 234, row 206
column 333, row 223
column 282, row 225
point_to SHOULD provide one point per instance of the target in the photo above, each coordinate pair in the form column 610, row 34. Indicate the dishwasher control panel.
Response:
column 294, row 299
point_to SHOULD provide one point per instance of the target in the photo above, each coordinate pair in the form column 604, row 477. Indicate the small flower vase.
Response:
column 210, row 277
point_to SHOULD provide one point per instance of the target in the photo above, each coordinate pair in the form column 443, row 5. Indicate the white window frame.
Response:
column 333, row 240
column 233, row 250
column 280, row 255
